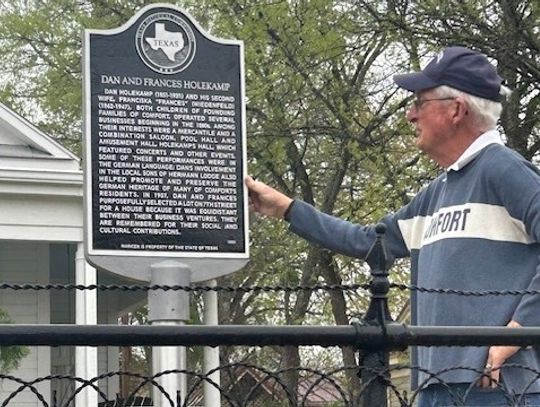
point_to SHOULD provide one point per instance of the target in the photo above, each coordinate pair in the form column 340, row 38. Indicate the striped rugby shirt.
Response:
column 475, row 228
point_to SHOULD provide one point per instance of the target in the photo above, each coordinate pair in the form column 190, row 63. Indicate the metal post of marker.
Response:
column 169, row 307
column 212, row 395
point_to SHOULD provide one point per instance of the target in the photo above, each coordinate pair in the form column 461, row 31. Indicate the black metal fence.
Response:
column 243, row 384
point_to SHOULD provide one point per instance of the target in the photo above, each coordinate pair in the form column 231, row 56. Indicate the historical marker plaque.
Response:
column 164, row 140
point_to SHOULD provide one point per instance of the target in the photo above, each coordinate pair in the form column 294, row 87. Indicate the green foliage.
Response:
column 10, row 356
column 41, row 44
column 323, row 125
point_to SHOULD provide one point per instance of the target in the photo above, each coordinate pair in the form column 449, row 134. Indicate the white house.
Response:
column 41, row 235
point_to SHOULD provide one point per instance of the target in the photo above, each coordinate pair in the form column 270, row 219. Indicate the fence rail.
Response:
column 393, row 337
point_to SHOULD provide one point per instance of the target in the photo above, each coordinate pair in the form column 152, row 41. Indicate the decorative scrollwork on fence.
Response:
column 250, row 385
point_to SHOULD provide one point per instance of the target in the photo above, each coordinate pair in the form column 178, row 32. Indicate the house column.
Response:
column 86, row 361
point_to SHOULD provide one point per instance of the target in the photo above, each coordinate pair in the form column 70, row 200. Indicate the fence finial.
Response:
column 373, row 363
column 377, row 259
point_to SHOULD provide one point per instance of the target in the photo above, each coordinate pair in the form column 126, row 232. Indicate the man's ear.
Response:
column 460, row 109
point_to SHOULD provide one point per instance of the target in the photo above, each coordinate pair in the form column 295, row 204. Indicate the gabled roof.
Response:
column 22, row 145
column 40, row 184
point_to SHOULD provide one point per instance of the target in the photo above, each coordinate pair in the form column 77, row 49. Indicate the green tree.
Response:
column 323, row 126
column 41, row 44
column 10, row 356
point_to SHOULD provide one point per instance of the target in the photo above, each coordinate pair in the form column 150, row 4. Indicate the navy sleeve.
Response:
column 342, row 236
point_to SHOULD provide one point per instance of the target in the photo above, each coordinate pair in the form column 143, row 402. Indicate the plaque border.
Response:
column 93, row 255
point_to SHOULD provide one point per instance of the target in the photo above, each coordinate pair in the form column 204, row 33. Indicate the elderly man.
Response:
column 475, row 227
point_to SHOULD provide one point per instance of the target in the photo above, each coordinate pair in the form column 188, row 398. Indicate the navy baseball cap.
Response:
column 460, row 68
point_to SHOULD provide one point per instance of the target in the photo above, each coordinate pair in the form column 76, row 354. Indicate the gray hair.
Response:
column 486, row 112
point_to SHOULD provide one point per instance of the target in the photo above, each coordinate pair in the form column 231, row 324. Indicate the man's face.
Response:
column 430, row 116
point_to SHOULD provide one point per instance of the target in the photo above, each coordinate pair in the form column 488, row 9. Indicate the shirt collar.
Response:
column 485, row 139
